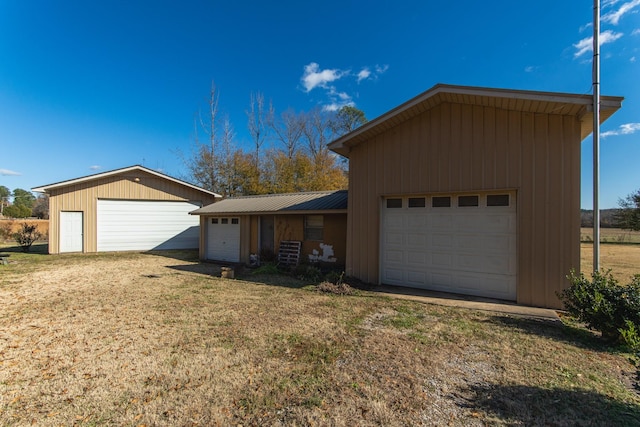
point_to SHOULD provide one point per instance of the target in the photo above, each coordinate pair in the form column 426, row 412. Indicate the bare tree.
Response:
column 258, row 117
column 288, row 130
column 318, row 131
column 203, row 165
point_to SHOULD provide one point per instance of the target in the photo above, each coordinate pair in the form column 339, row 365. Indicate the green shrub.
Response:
column 605, row 305
column 307, row 272
column 27, row 235
column 268, row 268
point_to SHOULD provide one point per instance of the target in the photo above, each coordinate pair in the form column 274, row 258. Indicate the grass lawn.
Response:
column 159, row 339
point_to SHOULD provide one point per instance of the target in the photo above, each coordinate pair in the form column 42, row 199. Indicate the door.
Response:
column 223, row 239
column 142, row 225
column 452, row 243
column 266, row 234
column 71, row 232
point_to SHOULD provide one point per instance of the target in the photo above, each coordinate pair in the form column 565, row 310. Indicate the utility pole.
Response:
column 596, row 135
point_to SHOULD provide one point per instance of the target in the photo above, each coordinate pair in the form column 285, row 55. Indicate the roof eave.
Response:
column 278, row 212
column 61, row 184
column 343, row 144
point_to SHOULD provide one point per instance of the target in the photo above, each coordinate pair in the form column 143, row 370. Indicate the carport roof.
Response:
column 334, row 201
column 580, row 106
column 61, row 184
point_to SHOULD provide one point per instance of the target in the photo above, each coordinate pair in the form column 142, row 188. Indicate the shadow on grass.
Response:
column 247, row 275
column 36, row 249
column 525, row 405
column 555, row 330
column 179, row 254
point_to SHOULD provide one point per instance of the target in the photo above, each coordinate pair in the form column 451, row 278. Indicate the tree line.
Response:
column 287, row 151
column 21, row 203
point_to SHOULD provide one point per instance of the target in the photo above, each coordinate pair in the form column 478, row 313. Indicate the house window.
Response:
column 498, row 200
column 235, row 221
column 441, row 202
column 417, row 202
column 394, row 203
column 467, row 201
column 214, row 220
column 313, row 227
column 224, row 221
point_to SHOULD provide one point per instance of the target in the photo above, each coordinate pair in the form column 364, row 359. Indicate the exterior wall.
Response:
column 83, row 197
column 290, row 227
column 456, row 148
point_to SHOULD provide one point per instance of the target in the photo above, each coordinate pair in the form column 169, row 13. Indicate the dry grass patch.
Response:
column 139, row 339
column 623, row 260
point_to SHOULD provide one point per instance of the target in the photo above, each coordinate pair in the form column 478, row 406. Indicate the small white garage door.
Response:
column 223, row 239
column 452, row 243
column 142, row 225
column 71, row 232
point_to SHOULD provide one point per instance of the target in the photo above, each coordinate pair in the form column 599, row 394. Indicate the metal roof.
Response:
column 580, row 106
column 45, row 188
column 281, row 203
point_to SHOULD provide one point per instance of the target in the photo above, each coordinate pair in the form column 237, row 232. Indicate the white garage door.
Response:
column 70, row 231
column 141, row 225
column 452, row 243
column 223, row 239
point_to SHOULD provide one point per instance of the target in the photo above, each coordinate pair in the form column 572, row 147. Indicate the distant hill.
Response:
column 607, row 218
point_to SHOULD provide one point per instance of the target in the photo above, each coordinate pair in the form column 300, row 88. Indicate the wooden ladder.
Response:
column 289, row 252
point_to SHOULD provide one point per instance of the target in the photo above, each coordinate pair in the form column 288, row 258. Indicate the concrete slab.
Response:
column 466, row 301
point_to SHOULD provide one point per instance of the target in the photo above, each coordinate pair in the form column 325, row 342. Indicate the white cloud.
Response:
column 585, row 27
column 95, row 167
column 330, row 79
column 624, row 129
column 364, row 74
column 632, row 59
column 313, row 76
column 7, row 172
column 615, row 16
column 586, row 45
column 636, row 32
column 529, row 69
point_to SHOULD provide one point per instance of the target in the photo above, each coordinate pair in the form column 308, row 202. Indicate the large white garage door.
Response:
column 223, row 239
column 452, row 243
column 141, row 225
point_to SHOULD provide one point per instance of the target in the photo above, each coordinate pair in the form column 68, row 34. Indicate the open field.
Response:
column 611, row 235
column 8, row 226
column 159, row 339
column 623, row 260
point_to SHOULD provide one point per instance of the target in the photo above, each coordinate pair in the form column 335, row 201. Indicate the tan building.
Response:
column 234, row 229
column 128, row 209
column 470, row 190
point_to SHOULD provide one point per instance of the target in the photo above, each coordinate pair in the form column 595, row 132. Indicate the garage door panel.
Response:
column 134, row 225
column 417, row 240
column 223, row 240
column 394, row 238
column 417, row 257
column 417, row 278
column 394, row 257
column 469, row 250
column 394, row 276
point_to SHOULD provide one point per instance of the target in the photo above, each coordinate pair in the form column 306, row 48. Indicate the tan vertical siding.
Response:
column 82, row 197
column 457, row 148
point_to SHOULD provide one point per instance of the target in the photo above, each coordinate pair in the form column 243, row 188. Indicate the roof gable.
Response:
column 101, row 175
column 280, row 203
column 580, row 106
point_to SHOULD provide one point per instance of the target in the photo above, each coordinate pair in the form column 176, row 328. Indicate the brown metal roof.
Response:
column 281, row 203
column 580, row 106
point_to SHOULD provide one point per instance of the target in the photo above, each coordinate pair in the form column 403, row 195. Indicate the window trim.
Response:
column 313, row 232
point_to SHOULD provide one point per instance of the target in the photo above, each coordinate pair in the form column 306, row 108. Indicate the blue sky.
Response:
column 93, row 86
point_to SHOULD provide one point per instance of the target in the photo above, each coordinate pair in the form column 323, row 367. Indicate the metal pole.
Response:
column 596, row 135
